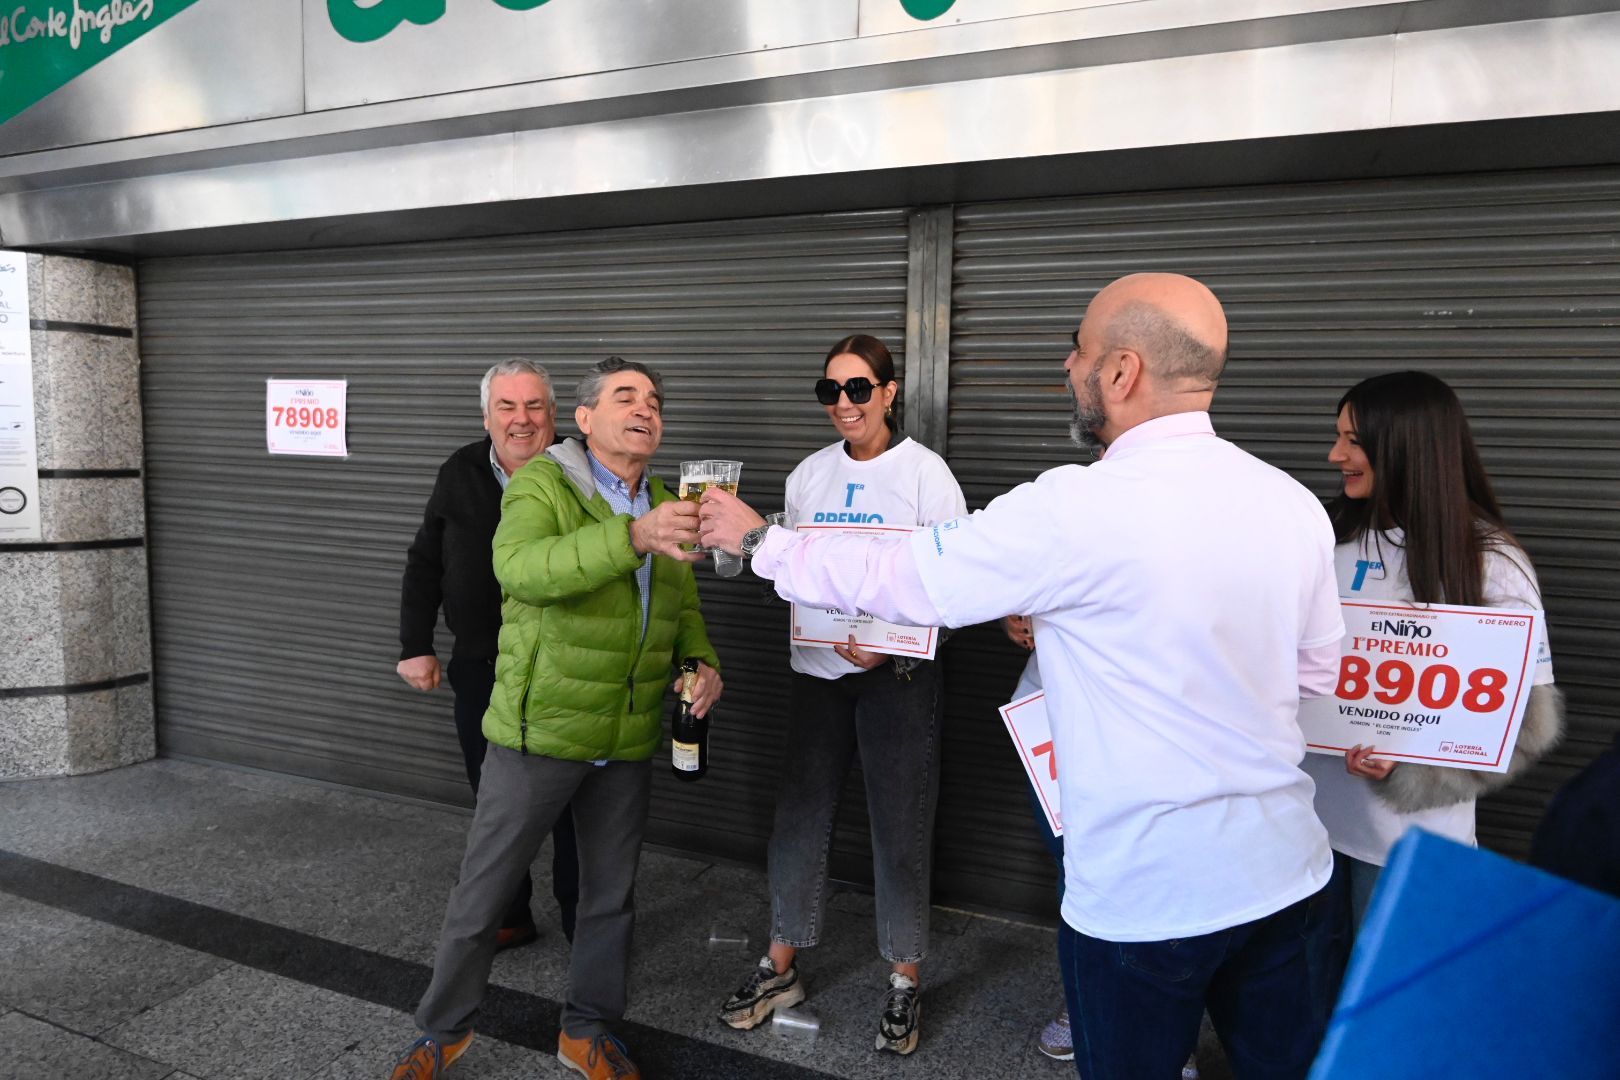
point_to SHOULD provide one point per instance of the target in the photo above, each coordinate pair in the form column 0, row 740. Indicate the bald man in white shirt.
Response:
column 1183, row 601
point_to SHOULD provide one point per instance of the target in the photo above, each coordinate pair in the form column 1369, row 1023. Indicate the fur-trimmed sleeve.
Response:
column 1423, row 787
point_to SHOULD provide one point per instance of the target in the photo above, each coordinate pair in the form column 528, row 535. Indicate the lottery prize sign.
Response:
column 1439, row 685
column 824, row 628
column 307, row 417
column 1031, row 733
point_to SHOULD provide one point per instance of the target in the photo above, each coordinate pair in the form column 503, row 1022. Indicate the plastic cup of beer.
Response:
column 700, row 475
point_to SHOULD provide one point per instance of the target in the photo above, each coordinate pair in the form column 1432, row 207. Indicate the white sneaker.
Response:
column 897, row 1029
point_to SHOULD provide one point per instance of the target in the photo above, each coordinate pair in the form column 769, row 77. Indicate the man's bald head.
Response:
column 1174, row 323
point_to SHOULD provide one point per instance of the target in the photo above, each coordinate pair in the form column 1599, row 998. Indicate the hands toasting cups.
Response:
column 725, row 520
column 664, row 529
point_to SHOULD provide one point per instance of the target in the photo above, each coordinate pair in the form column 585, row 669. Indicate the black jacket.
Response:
column 451, row 561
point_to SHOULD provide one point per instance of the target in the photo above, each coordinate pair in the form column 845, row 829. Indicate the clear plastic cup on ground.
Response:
column 798, row 1024
column 725, row 939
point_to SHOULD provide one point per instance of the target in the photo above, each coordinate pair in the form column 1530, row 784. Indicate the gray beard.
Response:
column 1088, row 415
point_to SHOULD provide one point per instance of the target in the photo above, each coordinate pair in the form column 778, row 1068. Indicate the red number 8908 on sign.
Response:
column 304, row 417
column 1437, row 686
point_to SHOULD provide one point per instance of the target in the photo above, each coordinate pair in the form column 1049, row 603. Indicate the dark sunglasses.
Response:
column 859, row 390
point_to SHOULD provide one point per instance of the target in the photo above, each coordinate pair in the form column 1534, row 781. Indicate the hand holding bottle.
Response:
column 706, row 691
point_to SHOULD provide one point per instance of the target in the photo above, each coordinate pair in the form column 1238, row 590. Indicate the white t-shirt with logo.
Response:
column 907, row 484
column 1360, row 824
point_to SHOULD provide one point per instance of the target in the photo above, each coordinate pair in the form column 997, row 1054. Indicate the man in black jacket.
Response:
column 450, row 562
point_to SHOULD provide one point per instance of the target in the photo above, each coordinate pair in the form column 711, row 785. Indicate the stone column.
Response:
column 75, row 622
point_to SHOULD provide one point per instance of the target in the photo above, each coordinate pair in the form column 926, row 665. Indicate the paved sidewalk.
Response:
column 175, row 920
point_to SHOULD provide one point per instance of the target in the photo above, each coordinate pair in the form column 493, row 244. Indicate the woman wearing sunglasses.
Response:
column 846, row 700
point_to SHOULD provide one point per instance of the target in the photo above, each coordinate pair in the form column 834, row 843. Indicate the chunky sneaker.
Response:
column 1057, row 1040
column 427, row 1058
column 596, row 1057
column 762, row 993
column 897, row 1030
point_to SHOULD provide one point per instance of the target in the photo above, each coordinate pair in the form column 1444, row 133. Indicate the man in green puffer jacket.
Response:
column 599, row 605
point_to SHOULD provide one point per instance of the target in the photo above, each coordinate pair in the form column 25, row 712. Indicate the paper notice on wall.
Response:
column 307, row 416
column 19, row 460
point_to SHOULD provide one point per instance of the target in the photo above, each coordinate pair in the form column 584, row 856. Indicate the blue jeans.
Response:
column 1335, row 921
column 1136, row 1007
column 894, row 723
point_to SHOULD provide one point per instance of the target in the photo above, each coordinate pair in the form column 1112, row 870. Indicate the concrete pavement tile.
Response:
column 41, row 1051
column 86, row 975
column 295, row 861
column 246, row 1024
column 950, row 921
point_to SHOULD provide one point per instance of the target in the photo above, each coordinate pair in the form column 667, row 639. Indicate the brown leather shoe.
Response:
column 597, row 1057
column 515, row 937
column 427, row 1058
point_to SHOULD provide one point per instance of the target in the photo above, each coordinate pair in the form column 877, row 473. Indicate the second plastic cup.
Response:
column 698, row 476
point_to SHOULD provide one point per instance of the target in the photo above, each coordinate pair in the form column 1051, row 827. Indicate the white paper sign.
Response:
column 1440, row 685
column 1032, row 735
column 307, row 417
column 825, row 627
column 19, row 459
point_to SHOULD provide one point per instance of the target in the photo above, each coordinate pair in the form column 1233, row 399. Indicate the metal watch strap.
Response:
column 752, row 539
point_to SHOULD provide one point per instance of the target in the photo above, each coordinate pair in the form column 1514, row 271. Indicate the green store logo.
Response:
column 43, row 46
column 368, row 20
column 926, row 9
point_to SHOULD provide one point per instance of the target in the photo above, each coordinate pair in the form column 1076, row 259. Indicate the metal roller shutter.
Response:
column 1507, row 286
column 276, row 580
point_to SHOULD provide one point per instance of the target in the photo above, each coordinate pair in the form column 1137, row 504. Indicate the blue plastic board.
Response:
column 1471, row 965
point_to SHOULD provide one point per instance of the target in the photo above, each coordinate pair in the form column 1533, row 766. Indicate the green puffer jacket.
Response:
column 574, row 678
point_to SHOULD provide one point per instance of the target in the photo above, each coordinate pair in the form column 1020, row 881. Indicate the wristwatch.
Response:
column 752, row 539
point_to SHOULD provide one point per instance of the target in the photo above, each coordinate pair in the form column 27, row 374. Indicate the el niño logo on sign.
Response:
column 367, row 20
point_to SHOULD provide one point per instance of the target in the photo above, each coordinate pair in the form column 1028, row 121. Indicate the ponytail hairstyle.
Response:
column 876, row 355
column 1428, row 481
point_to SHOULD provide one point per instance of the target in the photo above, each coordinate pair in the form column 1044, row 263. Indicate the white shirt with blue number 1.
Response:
column 1360, row 824
column 907, row 484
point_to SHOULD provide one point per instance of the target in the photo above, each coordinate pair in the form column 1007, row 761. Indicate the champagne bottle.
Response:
column 689, row 735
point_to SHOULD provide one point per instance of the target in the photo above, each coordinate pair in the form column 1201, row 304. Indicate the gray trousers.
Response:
column 894, row 723
column 518, row 802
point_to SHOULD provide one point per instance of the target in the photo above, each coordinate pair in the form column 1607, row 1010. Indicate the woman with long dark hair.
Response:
column 846, row 700
column 1417, row 522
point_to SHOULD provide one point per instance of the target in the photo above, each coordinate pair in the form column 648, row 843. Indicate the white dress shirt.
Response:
column 1184, row 600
